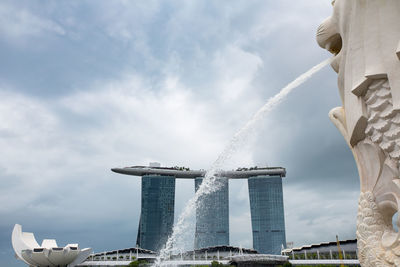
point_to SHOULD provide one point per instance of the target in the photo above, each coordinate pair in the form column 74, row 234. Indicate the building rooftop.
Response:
column 321, row 245
column 186, row 173
column 126, row 250
column 223, row 249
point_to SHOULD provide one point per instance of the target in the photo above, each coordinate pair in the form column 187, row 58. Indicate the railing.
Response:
column 331, row 255
column 325, row 262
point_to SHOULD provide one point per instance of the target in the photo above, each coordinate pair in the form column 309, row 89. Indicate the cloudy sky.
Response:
column 90, row 85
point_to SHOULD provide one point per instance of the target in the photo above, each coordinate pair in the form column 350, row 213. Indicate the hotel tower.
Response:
column 212, row 215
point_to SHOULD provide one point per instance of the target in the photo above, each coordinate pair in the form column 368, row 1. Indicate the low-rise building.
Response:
column 322, row 251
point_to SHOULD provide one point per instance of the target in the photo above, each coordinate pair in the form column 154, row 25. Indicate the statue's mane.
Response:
column 370, row 49
column 371, row 43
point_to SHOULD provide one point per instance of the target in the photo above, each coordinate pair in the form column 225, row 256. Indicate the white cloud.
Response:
column 158, row 125
column 127, row 20
column 18, row 23
column 240, row 230
column 320, row 215
column 117, row 122
column 236, row 70
column 239, row 212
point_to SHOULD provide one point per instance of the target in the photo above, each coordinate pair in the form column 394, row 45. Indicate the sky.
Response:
column 89, row 85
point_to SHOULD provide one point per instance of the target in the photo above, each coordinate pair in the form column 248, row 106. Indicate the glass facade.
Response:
column 157, row 214
column 212, row 217
column 267, row 214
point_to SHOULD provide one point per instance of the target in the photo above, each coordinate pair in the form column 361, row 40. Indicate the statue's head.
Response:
column 364, row 36
column 330, row 32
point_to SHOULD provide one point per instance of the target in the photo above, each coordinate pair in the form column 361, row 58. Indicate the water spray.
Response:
column 211, row 182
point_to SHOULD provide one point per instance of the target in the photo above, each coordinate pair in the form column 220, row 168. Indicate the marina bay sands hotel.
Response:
column 212, row 216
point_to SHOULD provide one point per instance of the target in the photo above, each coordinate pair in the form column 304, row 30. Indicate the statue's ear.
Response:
column 338, row 117
column 398, row 51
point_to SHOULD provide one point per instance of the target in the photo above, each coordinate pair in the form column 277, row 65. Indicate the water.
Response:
column 210, row 182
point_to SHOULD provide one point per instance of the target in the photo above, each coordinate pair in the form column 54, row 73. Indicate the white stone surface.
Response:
column 49, row 243
column 364, row 35
column 49, row 254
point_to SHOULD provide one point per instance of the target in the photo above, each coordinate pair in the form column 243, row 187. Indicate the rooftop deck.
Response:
column 185, row 173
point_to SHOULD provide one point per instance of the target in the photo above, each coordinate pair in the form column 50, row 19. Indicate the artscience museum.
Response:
column 27, row 249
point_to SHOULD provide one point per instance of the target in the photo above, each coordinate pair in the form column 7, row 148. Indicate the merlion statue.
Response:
column 364, row 35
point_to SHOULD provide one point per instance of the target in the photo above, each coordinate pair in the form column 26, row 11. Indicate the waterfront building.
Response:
column 28, row 250
column 217, row 253
column 323, row 254
column 324, row 251
column 126, row 254
column 202, row 257
column 157, row 212
column 267, row 214
column 212, row 216
column 226, row 255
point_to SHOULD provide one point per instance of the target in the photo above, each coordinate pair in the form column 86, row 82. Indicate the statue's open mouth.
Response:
column 334, row 44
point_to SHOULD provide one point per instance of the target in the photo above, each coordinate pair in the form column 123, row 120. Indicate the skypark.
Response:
column 186, row 173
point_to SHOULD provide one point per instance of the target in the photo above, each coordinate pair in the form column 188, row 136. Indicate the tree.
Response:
column 134, row 264
column 216, row 264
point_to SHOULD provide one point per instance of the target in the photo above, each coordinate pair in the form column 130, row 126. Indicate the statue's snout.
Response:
column 328, row 37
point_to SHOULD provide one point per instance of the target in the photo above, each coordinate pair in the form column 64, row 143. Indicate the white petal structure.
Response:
column 48, row 254
column 49, row 243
